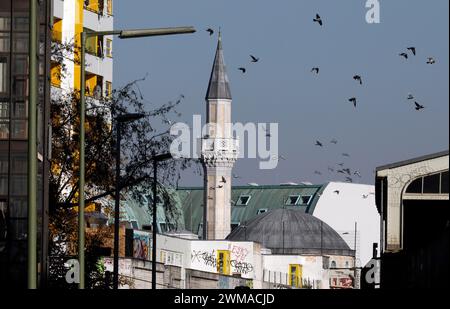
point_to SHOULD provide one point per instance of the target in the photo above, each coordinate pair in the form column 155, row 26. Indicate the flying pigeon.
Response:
column 365, row 196
column 412, row 49
column 254, row 59
column 418, row 106
column 341, row 171
column 345, row 155
column 223, row 180
column 317, row 173
column 235, row 176
column 318, row 19
column 211, row 32
column 348, row 179
column 356, row 173
column 220, row 186
column 410, row 97
column 315, row 70
column 358, row 78
column 405, row 55
column 353, row 100
column 319, row 144
column 243, row 70
column 347, row 170
column 431, row 60
column 336, row 191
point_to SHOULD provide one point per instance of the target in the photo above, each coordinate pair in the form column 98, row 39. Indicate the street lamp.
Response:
column 123, row 34
column 120, row 120
column 156, row 159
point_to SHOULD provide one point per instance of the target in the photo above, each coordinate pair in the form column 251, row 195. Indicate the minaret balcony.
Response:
column 220, row 148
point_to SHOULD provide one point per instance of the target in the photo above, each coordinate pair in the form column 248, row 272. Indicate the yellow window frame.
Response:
column 109, row 8
column 55, row 74
column 109, row 47
column 223, row 262
column 295, row 275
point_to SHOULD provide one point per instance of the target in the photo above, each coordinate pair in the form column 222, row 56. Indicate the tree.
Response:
column 141, row 140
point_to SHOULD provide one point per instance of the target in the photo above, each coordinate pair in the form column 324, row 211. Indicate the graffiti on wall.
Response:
column 239, row 253
column 141, row 245
column 209, row 259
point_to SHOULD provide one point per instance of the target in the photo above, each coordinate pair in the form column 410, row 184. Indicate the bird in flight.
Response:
column 336, row 191
column 223, row 180
column 356, row 173
column 319, row 144
column 220, row 186
column 410, row 97
column 317, row 173
column 348, row 179
column 405, row 55
column 235, row 176
column 358, row 78
column 254, row 59
column 243, row 70
column 419, row 106
column 211, row 31
column 412, row 49
column 340, row 171
column 315, row 70
column 431, row 60
column 334, row 141
column 353, row 100
column 318, row 19
column 347, row 170
column 341, row 164
column 365, row 196
column 345, row 155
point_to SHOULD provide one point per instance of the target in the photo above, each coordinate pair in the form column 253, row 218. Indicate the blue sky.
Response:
column 280, row 88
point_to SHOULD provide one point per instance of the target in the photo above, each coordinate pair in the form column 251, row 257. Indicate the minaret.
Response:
column 219, row 152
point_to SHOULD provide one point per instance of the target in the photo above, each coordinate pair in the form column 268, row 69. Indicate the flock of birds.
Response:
column 347, row 172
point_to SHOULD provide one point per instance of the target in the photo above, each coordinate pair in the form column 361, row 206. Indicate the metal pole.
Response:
column 155, row 166
column 354, row 263
column 82, row 162
column 117, row 208
column 32, row 149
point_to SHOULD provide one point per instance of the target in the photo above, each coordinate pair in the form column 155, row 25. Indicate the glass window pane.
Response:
column 5, row 23
column 19, row 185
column 19, row 129
column 4, row 75
column 415, row 186
column 4, row 128
column 4, row 109
column 20, row 66
column 19, row 163
column 20, row 43
column 4, row 164
column 431, row 183
column 20, row 110
column 18, row 207
column 4, row 184
column 444, row 182
column 4, row 42
column 21, row 23
column 20, row 87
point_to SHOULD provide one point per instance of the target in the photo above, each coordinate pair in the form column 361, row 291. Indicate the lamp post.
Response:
column 119, row 120
column 32, row 149
column 156, row 159
column 122, row 34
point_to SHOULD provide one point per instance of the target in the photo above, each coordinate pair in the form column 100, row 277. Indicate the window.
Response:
column 223, row 262
column 261, row 211
column 243, row 200
column 4, row 110
column 109, row 48
column 234, row 225
column 91, row 44
column 4, row 42
column 306, row 199
column 57, row 30
column 333, row 264
column 431, row 183
column 415, row 186
column 108, row 89
column 444, row 182
column 4, row 76
column 292, row 200
column 109, row 7
column 295, row 275
column 92, row 5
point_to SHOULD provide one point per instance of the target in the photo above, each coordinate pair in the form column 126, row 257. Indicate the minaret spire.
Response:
column 219, row 87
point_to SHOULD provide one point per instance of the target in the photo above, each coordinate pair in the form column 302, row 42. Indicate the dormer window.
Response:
column 243, row 200
column 293, row 200
column 306, row 199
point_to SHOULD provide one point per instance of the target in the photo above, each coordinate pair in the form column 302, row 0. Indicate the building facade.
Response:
column 14, row 68
column 412, row 198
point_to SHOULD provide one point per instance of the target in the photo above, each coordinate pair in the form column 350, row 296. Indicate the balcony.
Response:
column 220, row 148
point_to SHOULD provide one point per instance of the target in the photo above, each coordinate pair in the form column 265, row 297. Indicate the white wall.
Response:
column 341, row 211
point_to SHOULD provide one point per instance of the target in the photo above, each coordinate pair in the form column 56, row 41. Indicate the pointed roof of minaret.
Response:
column 219, row 87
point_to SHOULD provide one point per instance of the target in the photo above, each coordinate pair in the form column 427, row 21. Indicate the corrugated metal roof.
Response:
column 219, row 86
column 261, row 197
column 414, row 160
